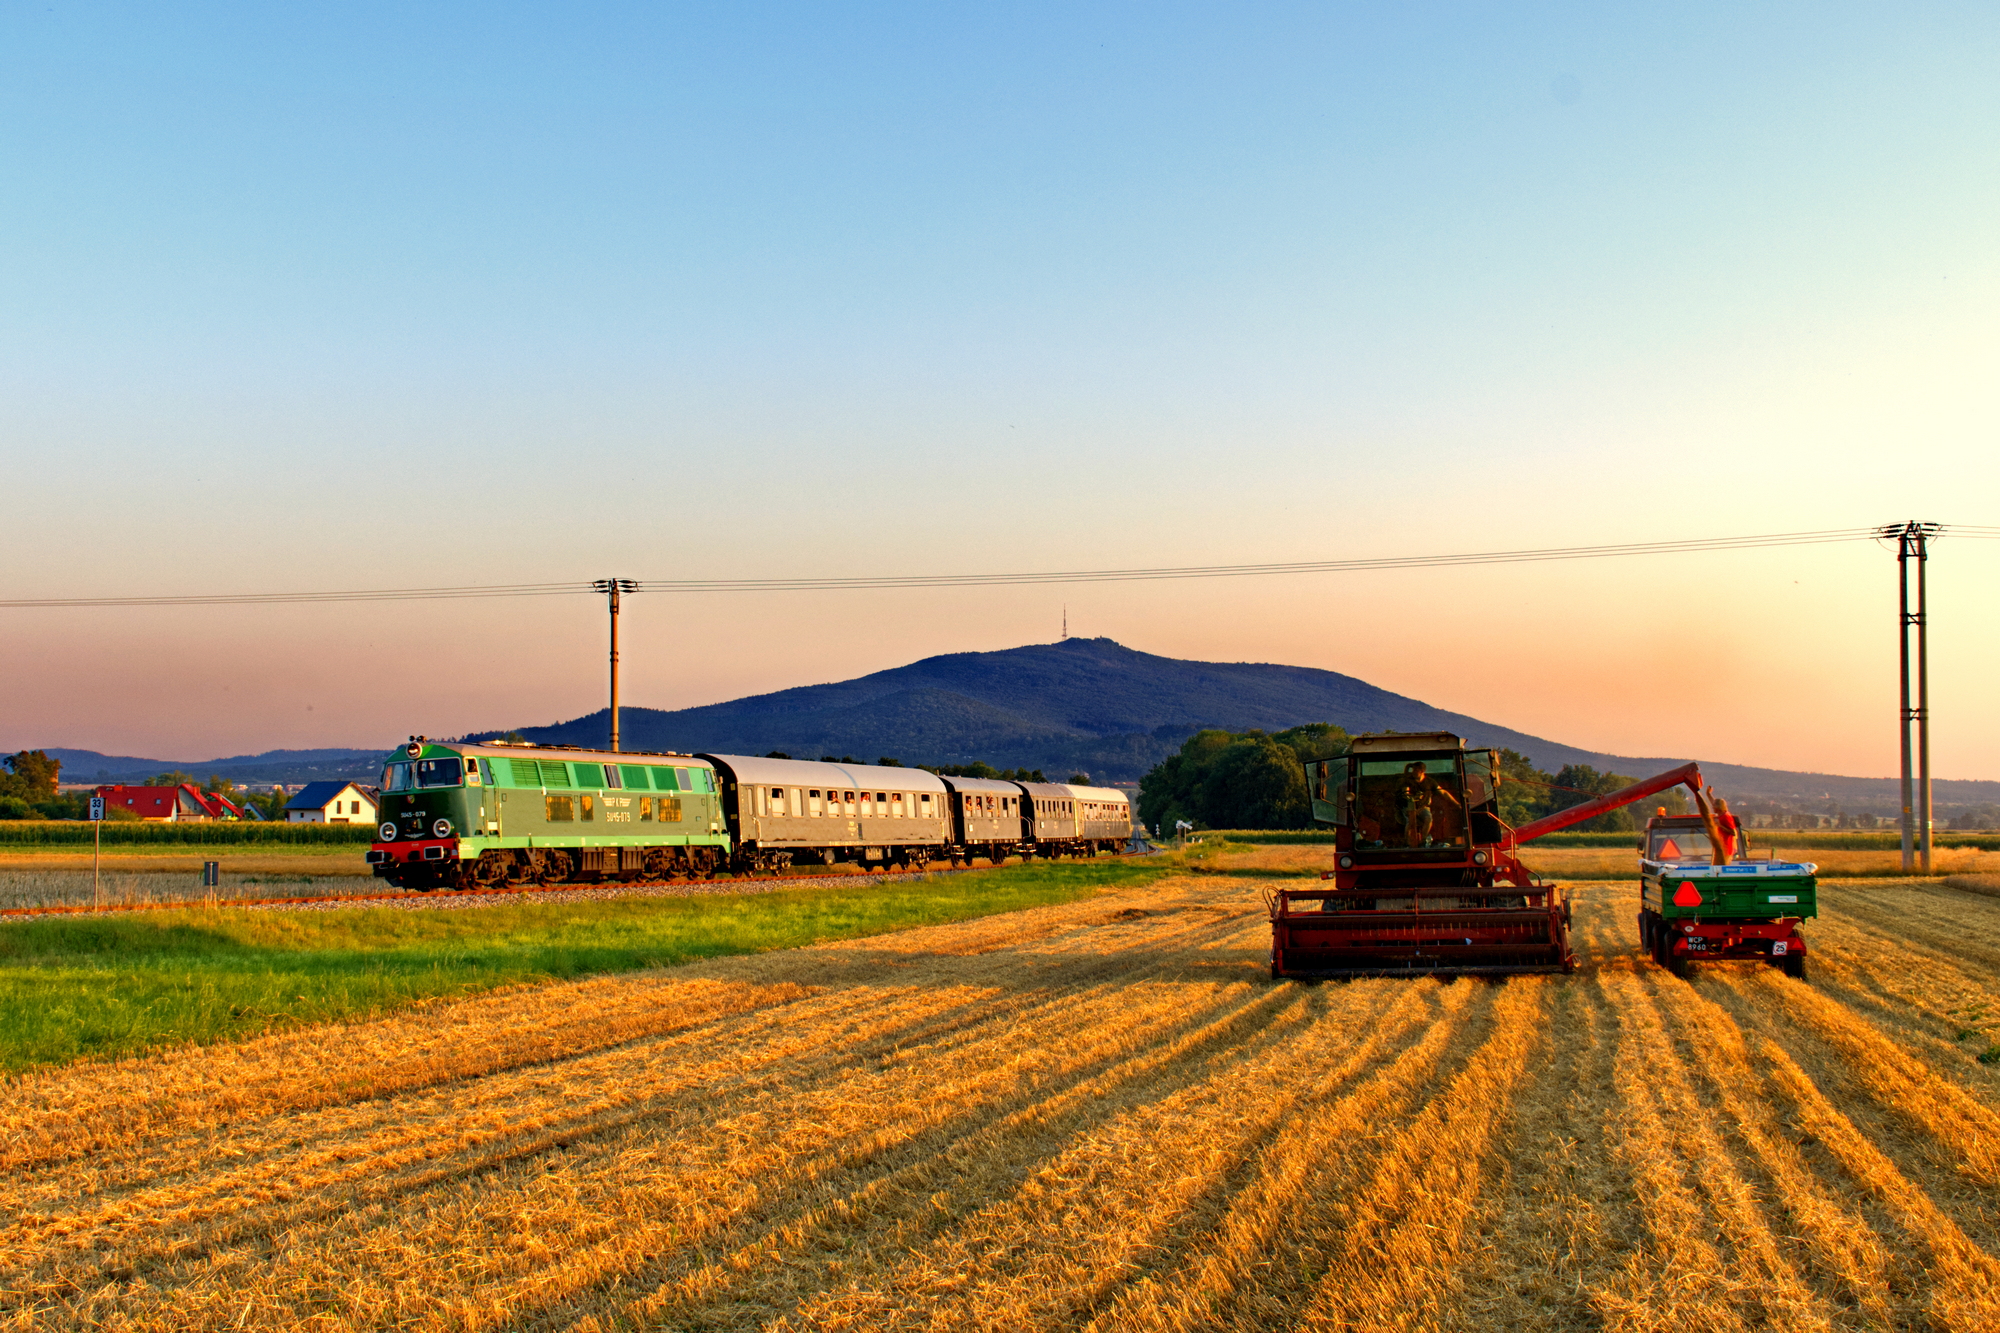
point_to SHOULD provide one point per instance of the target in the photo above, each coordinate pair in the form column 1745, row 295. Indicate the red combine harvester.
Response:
column 1428, row 880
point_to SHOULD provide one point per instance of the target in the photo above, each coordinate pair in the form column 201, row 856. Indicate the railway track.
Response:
column 440, row 897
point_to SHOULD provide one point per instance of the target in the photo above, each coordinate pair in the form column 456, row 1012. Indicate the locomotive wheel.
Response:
column 556, row 867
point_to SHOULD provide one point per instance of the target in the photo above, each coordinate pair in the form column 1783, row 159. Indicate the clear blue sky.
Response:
column 364, row 297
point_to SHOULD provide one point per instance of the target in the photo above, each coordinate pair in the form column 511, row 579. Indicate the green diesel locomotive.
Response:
column 462, row 816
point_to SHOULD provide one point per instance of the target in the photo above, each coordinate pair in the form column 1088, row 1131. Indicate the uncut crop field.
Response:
column 1097, row 1115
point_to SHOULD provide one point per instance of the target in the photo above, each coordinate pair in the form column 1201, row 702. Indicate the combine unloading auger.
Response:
column 1427, row 878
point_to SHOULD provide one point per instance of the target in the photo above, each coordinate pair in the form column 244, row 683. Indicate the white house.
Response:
column 332, row 803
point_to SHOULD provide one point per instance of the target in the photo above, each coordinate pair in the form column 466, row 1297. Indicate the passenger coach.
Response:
column 786, row 811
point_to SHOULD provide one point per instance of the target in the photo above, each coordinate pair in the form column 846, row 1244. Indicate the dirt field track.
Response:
column 1102, row 1115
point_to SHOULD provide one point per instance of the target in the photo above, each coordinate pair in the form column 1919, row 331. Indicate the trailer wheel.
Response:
column 1795, row 966
column 1646, row 931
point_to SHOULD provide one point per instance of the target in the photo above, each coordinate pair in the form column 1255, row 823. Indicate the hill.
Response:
column 1096, row 706
column 286, row 766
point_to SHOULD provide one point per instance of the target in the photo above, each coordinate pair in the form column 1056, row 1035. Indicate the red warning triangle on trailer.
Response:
column 1687, row 895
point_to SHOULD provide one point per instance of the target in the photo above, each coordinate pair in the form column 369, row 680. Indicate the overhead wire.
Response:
column 576, row 587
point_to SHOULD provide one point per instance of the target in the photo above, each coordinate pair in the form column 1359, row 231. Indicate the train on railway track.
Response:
column 472, row 815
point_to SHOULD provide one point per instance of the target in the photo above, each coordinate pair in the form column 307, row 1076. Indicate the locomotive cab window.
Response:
column 396, row 777
column 440, row 772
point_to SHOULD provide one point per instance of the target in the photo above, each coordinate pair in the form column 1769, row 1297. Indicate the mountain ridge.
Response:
column 1097, row 706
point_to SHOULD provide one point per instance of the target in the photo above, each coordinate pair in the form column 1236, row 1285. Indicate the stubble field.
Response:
column 1101, row 1114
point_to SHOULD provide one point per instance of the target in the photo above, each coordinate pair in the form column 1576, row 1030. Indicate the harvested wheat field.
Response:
column 1099, row 1115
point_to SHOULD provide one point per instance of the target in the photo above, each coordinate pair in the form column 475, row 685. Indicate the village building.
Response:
column 182, row 804
column 333, row 803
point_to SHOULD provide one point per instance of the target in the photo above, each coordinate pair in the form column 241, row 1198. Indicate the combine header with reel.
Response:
column 1427, row 878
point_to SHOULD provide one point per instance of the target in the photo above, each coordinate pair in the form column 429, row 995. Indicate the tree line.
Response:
column 1256, row 780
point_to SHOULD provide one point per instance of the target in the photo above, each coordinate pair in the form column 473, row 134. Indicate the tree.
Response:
column 1523, row 789
column 1224, row 780
column 777, row 754
column 1255, row 783
column 270, row 804
column 173, row 779
column 1578, row 783
column 1079, row 779
column 889, row 763
column 31, row 776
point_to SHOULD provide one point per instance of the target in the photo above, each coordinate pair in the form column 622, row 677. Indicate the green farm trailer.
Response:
column 1696, row 907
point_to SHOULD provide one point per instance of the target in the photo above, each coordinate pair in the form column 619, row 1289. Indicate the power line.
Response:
column 1350, row 566
column 282, row 598
column 1246, row 571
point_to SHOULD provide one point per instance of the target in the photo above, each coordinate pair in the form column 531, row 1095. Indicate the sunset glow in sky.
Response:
column 373, row 298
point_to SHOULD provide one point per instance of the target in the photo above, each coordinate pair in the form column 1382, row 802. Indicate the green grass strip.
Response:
column 99, row 987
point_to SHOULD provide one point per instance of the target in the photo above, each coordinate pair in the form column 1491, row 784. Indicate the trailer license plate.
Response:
column 1782, row 898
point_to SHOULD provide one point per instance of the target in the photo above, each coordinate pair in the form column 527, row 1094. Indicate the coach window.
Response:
column 867, row 805
column 850, row 805
column 926, row 799
column 896, row 804
column 812, row 804
column 778, row 801
column 760, row 800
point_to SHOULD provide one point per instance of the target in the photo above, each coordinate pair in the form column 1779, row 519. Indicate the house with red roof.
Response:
column 181, row 804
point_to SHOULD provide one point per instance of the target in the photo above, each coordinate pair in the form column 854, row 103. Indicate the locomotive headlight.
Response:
column 441, row 829
column 388, row 832
column 1479, row 858
column 1347, row 863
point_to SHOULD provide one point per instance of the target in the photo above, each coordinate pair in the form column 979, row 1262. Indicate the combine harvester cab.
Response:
column 1695, row 906
column 1427, row 880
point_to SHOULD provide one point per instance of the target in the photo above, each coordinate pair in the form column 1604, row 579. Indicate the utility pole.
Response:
column 612, row 588
column 1913, row 543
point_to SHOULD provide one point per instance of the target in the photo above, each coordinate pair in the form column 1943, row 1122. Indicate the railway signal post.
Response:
column 96, row 848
